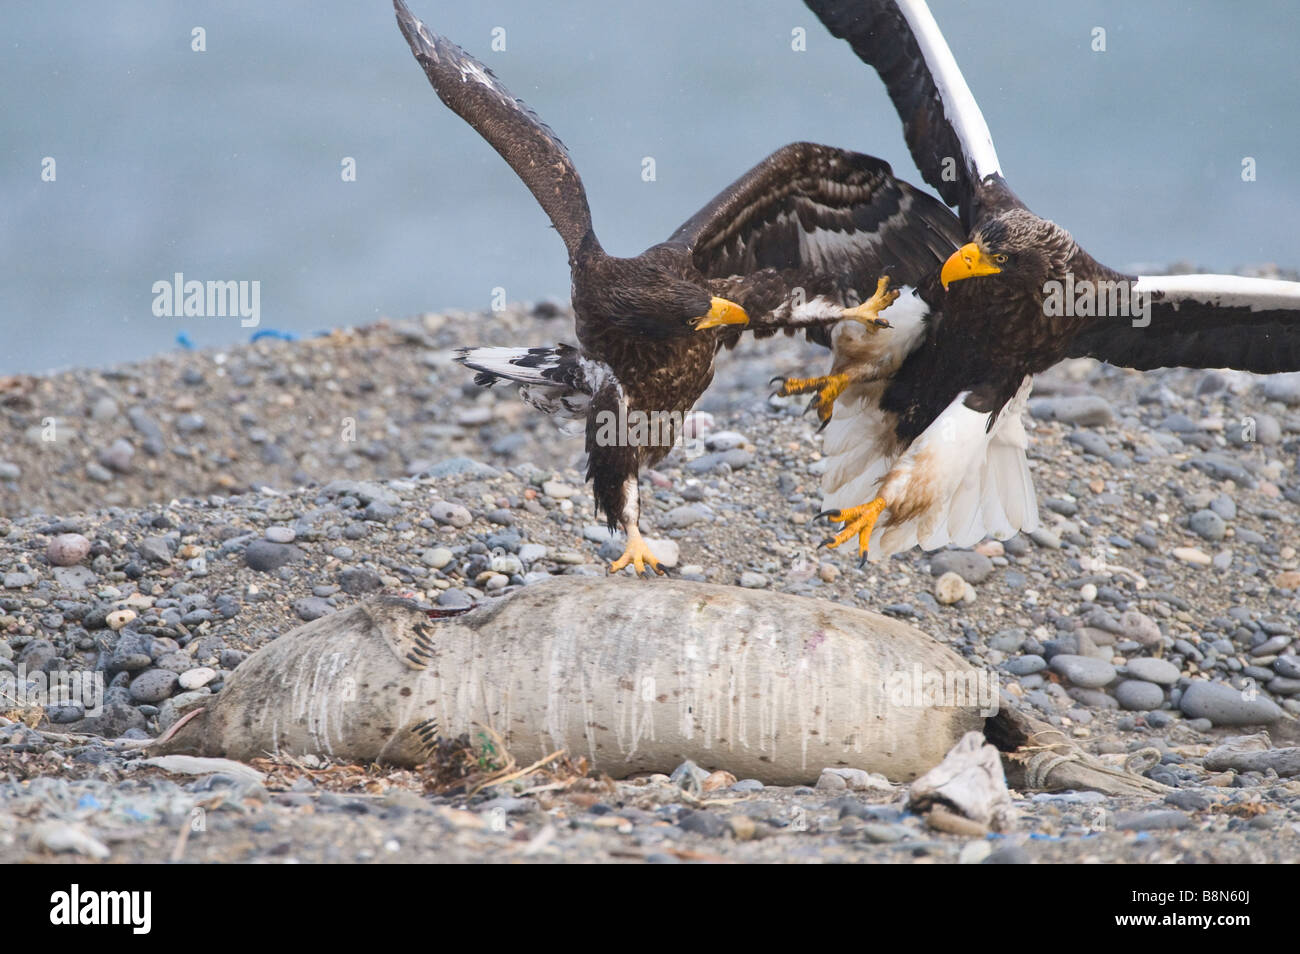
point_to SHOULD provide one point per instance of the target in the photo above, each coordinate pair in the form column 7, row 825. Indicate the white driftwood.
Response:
column 635, row 675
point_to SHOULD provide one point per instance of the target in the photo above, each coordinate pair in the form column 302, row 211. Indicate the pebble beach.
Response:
column 162, row 520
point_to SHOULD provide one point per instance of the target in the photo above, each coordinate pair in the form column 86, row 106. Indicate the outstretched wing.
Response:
column 945, row 130
column 1202, row 321
column 822, row 212
column 510, row 127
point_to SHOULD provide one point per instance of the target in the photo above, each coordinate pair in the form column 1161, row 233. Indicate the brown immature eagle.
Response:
column 925, row 445
column 793, row 244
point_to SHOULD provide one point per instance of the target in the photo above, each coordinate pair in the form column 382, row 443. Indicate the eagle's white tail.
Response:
column 970, row 480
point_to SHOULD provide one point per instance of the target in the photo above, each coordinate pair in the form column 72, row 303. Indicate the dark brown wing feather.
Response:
column 1193, row 334
column 814, row 209
column 510, row 127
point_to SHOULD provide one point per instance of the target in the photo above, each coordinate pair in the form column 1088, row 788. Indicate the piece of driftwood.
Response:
column 970, row 782
column 1253, row 753
column 1037, row 756
column 636, row 676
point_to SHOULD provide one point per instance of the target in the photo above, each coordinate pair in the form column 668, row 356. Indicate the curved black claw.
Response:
column 823, row 426
column 882, row 323
column 779, row 378
column 834, row 515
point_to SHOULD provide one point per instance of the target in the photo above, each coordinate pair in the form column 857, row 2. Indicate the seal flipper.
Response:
column 414, row 745
column 405, row 629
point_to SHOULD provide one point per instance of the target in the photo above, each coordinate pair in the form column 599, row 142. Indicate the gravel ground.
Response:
column 162, row 520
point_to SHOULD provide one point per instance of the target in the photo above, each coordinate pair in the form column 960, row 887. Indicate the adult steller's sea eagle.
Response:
column 925, row 445
column 795, row 243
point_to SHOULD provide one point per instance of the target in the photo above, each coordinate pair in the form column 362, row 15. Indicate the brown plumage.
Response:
column 788, row 246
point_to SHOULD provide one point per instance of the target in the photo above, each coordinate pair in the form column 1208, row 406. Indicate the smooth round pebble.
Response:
column 67, row 549
column 153, row 685
column 1138, row 696
column 1084, row 671
column 1160, row 671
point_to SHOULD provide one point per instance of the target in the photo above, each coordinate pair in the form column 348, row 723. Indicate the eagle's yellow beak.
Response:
column 722, row 312
column 967, row 262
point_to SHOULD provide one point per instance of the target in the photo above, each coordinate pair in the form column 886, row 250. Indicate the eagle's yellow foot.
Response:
column 868, row 313
column 637, row 554
column 858, row 522
column 826, row 390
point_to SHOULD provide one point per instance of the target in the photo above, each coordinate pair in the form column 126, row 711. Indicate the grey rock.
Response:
column 359, row 580
column 970, row 566
column 156, row 550
column 1284, row 388
column 455, row 599
column 1287, row 666
column 706, row 823
column 460, row 467
column 312, row 607
column 436, row 557
column 74, row 578
column 153, row 685
column 1082, row 410
column 1026, row 665
column 280, row 534
column 117, row 456
column 444, row 511
column 1093, row 698
column 1224, row 705
column 1224, row 506
column 1160, row 671
column 1084, row 671
column 532, row 552
column 1139, row 696
column 265, row 556
column 116, row 719
column 1271, row 646
column 1140, row 628
column 67, row 549
column 684, row 516
column 1208, row 525
column 366, row 491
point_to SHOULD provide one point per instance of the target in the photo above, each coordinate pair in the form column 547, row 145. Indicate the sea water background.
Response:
column 226, row 164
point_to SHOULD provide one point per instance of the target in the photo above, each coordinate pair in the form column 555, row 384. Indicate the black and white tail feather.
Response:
column 558, row 381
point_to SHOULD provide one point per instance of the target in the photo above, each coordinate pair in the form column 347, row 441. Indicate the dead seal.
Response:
column 635, row 678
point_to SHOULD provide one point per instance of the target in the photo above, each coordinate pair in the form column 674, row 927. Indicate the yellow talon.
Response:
column 868, row 313
column 858, row 522
column 827, row 390
column 637, row 554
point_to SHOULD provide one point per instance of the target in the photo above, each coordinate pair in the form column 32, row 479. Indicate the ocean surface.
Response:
column 228, row 164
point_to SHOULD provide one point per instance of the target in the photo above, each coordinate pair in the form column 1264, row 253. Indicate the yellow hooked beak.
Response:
column 722, row 312
column 967, row 262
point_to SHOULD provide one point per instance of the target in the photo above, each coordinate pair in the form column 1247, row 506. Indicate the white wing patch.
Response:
column 1224, row 291
column 958, row 102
